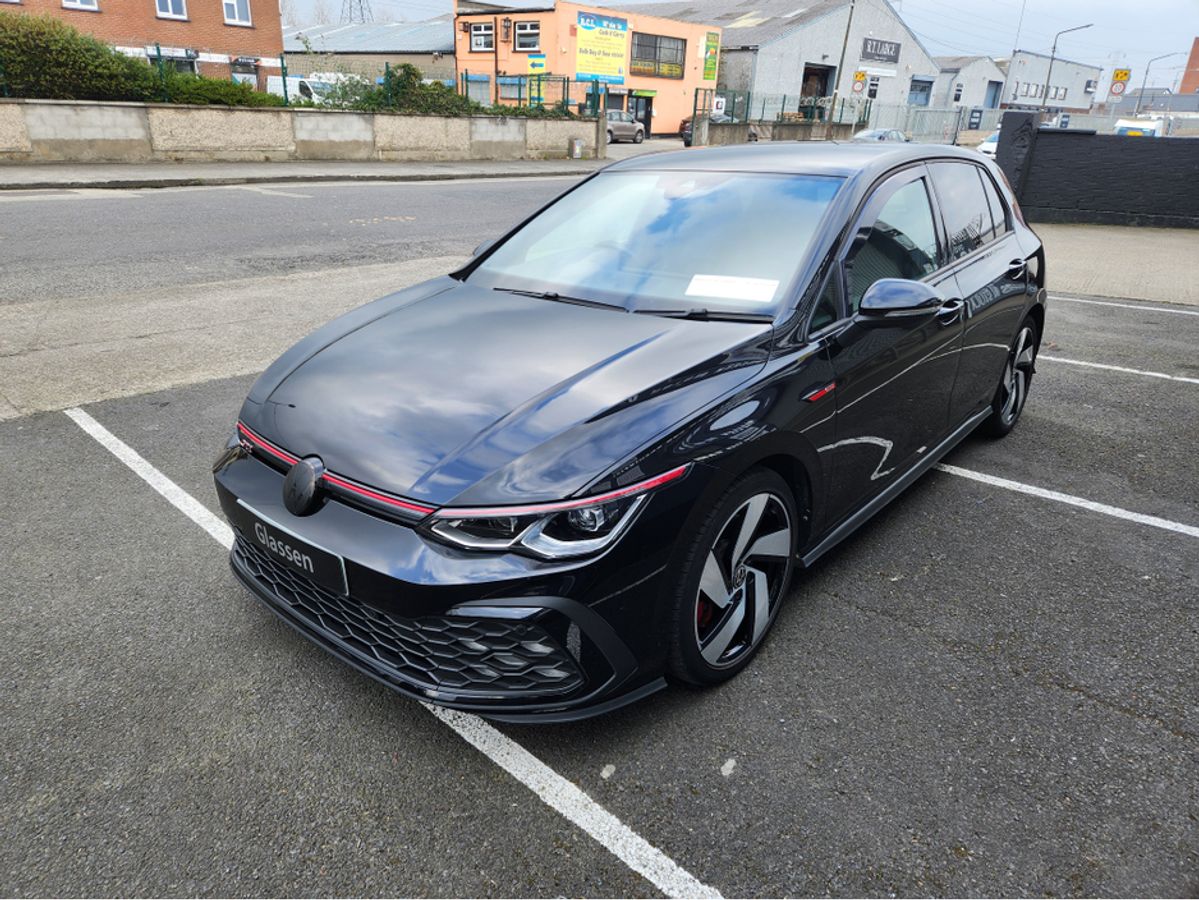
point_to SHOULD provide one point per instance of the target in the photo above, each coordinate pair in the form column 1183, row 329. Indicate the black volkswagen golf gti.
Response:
column 593, row 458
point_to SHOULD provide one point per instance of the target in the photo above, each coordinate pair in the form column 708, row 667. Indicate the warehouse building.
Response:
column 1071, row 85
column 368, row 49
column 969, row 81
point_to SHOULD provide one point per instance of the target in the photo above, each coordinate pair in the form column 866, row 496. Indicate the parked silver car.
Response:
column 623, row 127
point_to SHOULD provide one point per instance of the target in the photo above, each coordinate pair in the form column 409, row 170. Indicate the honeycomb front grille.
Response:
column 474, row 656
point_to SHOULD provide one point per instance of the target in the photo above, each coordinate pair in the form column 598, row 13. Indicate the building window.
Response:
column 237, row 12
column 872, row 87
column 92, row 5
column 528, row 36
column 172, row 9
column 482, row 37
column 658, row 55
column 1063, row 96
column 957, row 92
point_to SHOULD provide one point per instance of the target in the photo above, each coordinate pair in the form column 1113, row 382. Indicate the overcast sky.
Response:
column 1124, row 32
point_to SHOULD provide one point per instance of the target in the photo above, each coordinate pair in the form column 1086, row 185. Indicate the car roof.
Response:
column 838, row 158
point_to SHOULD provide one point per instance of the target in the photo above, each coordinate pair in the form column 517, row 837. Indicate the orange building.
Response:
column 219, row 38
column 644, row 64
column 1190, row 78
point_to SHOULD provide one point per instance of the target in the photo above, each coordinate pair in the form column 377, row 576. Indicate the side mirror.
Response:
column 899, row 296
column 483, row 247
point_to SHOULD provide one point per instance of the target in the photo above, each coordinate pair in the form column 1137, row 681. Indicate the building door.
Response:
column 816, row 81
column 993, row 90
column 642, row 109
column 920, row 92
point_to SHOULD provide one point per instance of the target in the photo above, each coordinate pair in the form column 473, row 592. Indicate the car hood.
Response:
column 449, row 393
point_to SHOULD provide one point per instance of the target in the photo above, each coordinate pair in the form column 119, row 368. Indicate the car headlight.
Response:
column 550, row 530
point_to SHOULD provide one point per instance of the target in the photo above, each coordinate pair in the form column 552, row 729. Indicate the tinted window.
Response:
column 998, row 215
column 828, row 307
column 964, row 205
column 902, row 243
column 723, row 240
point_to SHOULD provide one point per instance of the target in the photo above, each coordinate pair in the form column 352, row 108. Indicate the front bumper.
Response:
column 502, row 635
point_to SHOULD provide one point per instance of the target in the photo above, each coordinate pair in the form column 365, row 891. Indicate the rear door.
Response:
column 894, row 374
column 992, row 277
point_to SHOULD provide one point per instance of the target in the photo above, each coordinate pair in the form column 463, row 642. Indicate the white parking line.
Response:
column 1071, row 500
column 1110, row 368
column 554, row 790
column 1141, row 307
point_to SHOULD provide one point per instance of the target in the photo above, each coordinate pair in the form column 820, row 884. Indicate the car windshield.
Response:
column 644, row 240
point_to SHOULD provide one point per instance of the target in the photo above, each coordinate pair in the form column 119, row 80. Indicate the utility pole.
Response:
column 841, row 62
column 1145, row 79
column 1052, row 54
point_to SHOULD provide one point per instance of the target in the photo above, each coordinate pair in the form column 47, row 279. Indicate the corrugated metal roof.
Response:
column 746, row 23
column 430, row 36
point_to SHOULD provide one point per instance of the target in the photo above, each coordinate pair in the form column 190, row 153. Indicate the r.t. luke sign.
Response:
column 880, row 51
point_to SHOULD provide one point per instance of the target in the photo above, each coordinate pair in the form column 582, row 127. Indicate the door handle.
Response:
column 949, row 311
column 1017, row 269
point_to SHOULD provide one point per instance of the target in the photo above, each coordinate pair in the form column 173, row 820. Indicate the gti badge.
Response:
column 301, row 487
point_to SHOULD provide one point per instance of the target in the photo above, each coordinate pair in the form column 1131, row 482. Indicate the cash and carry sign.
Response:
column 602, row 48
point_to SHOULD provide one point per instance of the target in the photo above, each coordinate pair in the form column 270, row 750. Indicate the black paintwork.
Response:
column 450, row 394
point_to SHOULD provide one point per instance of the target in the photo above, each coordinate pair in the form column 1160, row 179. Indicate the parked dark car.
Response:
column 685, row 126
column 595, row 457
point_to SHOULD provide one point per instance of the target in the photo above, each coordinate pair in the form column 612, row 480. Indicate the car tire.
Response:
column 732, row 582
column 610, row 136
column 638, row 137
column 1015, row 382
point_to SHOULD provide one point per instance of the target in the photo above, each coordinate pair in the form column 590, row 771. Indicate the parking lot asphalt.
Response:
column 982, row 692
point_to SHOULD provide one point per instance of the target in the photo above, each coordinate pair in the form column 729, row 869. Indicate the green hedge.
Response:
column 44, row 58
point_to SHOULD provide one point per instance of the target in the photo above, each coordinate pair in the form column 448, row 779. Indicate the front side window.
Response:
column 172, row 9
column 902, row 243
column 964, row 205
column 482, row 36
column 1063, row 96
column 658, row 55
column 93, row 5
column 957, row 93
column 872, row 87
column 726, row 241
column 528, row 36
column 237, row 12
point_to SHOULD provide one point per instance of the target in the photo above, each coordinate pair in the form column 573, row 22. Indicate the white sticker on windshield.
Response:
column 730, row 287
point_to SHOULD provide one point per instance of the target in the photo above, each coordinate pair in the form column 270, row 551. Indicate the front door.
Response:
column 643, row 111
column 894, row 373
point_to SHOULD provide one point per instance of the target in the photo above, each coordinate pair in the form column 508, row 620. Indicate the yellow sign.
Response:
column 536, row 63
column 602, row 48
column 859, row 75
column 1121, row 74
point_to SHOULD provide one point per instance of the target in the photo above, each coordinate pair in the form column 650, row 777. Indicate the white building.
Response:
column 969, row 81
column 1072, row 85
column 786, row 48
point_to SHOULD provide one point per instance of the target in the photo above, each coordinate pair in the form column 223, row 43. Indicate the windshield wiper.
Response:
column 708, row 315
column 557, row 298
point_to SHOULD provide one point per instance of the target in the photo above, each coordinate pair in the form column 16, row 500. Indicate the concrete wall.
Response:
column 1105, row 179
column 724, row 133
column 1026, row 79
column 974, row 76
column 78, row 131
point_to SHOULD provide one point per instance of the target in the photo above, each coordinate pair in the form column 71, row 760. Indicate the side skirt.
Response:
column 897, row 487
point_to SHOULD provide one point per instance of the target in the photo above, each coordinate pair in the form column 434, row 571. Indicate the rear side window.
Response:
column 998, row 214
column 964, row 205
column 902, row 243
